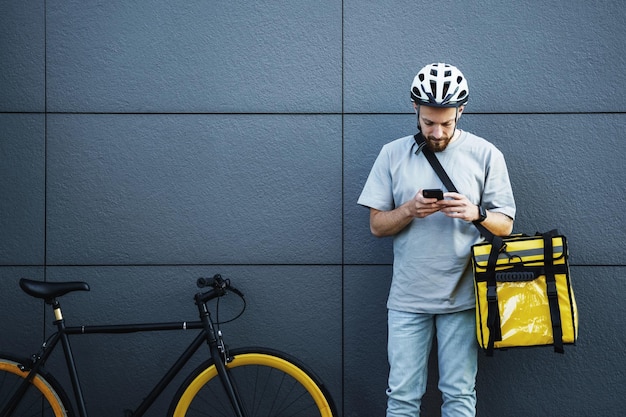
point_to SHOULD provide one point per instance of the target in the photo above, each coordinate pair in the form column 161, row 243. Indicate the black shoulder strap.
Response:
column 493, row 313
column 553, row 298
column 443, row 176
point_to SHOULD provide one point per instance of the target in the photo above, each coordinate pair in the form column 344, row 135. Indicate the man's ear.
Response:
column 459, row 112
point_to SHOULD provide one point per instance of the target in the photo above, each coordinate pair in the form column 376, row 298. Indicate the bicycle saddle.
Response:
column 50, row 290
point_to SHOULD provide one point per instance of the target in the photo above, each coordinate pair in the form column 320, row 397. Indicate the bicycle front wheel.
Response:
column 269, row 384
column 43, row 397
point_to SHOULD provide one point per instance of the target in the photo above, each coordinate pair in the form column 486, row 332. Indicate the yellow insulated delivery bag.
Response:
column 524, row 296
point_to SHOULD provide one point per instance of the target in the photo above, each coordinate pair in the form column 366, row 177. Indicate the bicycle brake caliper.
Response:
column 34, row 358
column 223, row 349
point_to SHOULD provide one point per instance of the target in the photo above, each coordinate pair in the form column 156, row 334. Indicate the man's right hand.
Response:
column 392, row 222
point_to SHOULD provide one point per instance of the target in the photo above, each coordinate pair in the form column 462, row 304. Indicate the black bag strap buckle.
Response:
column 551, row 289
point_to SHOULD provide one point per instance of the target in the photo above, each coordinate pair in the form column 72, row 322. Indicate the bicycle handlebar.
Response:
column 219, row 288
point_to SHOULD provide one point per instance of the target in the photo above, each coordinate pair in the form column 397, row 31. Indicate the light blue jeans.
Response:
column 410, row 339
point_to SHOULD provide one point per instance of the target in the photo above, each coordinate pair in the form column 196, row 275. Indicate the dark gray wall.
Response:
column 144, row 144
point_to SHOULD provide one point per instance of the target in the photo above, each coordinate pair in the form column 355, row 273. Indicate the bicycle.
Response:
column 244, row 382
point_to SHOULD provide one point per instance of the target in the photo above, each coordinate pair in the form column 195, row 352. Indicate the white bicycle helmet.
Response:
column 440, row 85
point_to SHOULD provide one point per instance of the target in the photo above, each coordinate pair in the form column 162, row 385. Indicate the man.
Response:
column 431, row 292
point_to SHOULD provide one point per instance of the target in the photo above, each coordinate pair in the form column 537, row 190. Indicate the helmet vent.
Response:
column 446, row 86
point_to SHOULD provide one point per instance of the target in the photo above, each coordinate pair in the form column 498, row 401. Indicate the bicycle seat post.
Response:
column 56, row 308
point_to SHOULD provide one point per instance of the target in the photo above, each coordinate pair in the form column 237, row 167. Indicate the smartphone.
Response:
column 433, row 193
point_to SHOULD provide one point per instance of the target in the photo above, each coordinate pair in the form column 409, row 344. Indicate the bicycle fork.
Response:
column 220, row 358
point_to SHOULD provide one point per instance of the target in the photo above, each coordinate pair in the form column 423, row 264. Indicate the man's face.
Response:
column 438, row 125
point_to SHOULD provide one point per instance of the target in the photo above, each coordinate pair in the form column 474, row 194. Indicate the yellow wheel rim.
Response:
column 255, row 359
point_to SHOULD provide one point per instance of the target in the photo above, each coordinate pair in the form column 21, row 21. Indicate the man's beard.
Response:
column 437, row 145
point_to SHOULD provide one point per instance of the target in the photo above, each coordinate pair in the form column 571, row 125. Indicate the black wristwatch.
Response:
column 482, row 214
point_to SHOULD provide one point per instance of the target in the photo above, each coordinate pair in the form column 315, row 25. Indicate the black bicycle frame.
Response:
column 207, row 334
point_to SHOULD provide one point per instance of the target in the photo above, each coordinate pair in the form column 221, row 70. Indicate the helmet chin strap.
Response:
column 417, row 113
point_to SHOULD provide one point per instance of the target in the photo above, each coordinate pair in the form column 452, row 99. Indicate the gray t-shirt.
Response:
column 432, row 271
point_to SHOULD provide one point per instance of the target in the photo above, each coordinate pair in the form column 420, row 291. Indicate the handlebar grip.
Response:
column 216, row 282
column 219, row 285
